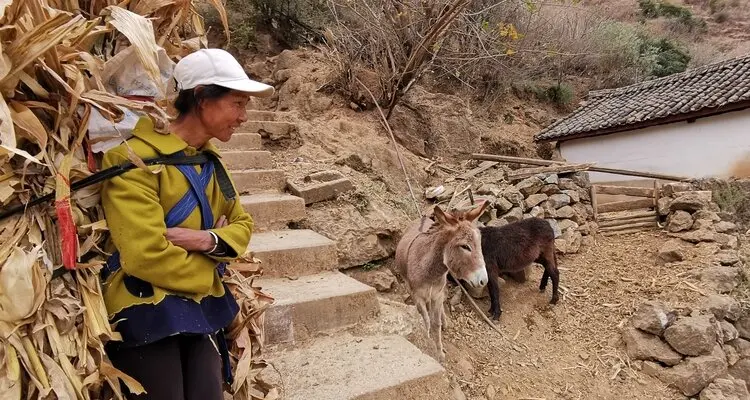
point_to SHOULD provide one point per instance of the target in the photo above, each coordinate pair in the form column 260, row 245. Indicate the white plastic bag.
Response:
column 125, row 76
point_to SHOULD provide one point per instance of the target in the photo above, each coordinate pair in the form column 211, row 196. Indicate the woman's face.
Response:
column 221, row 116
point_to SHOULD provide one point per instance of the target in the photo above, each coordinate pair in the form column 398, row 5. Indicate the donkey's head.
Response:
column 462, row 252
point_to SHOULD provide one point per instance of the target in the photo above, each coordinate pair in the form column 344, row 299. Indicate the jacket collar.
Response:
column 165, row 144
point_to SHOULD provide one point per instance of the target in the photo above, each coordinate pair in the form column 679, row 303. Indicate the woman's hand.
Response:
column 193, row 239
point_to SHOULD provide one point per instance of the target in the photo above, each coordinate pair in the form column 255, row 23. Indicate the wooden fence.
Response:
column 626, row 216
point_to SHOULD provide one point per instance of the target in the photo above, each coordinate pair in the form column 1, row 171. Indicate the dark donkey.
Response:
column 509, row 249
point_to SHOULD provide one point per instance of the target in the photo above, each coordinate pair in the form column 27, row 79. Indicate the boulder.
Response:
column 692, row 375
column 555, row 227
column 742, row 346
column 743, row 328
column 582, row 213
column 559, row 200
column 552, row 179
column 566, row 212
column 382, row 279
column 490, row 189
column 536, row 212
column 741, row 370
column 653, row 317
column 549, row 190
column 502, row 204
column 534, row 200
column 581, row 179
column 732, row 355
column 726, row 389
column 567, row 184
column 703, row 224
column 691, row 201
column 514, row 196
column 549, row 211
column 575, row 196
column 725, row 227
column 720, row 279
column 561, row 246
column 722, row 306
column 647, row 347
column 514, row 215
column 728, row 332
column 727, row 257
column 573, row 239
column 566, row 224
column 679, row 221
column 670, row 189
column 697, row 236
column 530, row 186
column 705, row 214
column 726, row 241
column 662, row 206
column 671, row 251
column 693, row 336
column 358, row 162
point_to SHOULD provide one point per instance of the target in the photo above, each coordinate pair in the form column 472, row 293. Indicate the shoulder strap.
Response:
column 103, row 175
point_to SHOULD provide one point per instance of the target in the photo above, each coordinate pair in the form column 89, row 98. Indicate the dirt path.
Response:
column 572, row 350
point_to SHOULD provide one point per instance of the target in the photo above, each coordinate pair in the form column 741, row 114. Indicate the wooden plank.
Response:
column 594, row 203
column 629, row 226
column 535, row 161
column 552, row 169
column 625, row 205
column 481, row 168
column 616, row 217
column 625, row 190
column 620, row 222
column 625, row 232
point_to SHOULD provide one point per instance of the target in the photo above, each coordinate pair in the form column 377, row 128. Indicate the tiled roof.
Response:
column 712, row 86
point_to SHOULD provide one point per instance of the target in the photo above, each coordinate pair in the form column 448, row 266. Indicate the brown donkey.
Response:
column 428, row 250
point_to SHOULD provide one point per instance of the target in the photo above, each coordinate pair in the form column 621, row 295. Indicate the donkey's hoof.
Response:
column 554, row 300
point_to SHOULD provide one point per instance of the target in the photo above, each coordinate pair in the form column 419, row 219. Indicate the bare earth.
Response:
column 571, row 350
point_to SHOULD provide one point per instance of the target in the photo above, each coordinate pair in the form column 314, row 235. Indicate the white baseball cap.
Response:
column 216, row 67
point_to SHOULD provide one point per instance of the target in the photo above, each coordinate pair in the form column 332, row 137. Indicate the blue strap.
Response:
column 179, row 213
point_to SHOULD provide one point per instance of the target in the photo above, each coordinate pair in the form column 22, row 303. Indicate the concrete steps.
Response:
column 271, row 129
column 292, row 253
column 259, row 180
column 247, row 159
column 273, row 210
column 315, row 303
column 345, row 367
column 241, row 141
column 308, row 327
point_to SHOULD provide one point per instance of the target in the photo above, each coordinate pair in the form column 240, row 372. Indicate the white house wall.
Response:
column 708, row 147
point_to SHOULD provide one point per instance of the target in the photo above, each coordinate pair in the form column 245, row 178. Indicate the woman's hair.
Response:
column 189, row 99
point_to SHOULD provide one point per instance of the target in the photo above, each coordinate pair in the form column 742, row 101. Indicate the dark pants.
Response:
column 179, row 367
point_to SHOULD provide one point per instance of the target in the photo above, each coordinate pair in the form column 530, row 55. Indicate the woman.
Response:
column 173, row 230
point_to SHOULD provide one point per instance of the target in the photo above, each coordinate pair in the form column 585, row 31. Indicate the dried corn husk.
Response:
column 52, row 57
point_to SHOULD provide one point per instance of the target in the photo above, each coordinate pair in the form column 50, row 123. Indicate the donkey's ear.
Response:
column 477, row 211
column 444, row 218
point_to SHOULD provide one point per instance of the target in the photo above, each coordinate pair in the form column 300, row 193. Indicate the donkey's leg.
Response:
column 436, row 311
column 494, row 289
column 420, row 302
column 444, row 321
column 549, row 261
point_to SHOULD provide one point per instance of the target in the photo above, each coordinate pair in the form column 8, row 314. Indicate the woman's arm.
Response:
column 135, row 219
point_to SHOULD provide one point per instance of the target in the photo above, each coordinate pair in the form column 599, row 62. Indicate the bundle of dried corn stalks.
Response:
column 52, row 53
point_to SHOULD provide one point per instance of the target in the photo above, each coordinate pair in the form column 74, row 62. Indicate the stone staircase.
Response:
column 307, row 330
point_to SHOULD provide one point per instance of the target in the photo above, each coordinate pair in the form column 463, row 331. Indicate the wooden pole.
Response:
column 534, row 161
column 594, row 203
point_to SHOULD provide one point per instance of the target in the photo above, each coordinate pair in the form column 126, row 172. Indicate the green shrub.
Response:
column 666, row 56
column 649, row 8
column 661, row 8
column 560, row 94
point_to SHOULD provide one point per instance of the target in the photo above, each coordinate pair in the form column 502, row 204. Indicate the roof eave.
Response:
column 702, row 113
